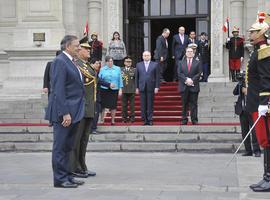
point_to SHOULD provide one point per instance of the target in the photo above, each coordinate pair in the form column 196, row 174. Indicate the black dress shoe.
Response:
column 194, row 122
column 66, row 184
column 247, row 154
column 75, row 181
column 145, row 123
column 94, row 131
column 257, row 154
column 150, row 123
column 264, row 187
column 79, row 175
column 90, row 173
column 257, row 184
column 183, row 123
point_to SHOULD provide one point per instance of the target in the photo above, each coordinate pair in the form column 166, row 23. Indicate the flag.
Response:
column 85, row 31
column 226, row 25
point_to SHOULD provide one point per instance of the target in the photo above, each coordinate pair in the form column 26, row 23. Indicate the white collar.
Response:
column 68, row 55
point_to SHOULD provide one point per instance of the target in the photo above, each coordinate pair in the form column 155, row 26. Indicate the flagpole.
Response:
column 228, row 27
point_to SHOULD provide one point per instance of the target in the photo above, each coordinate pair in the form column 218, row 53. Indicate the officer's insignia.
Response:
column 87, row 80
column 264, row 52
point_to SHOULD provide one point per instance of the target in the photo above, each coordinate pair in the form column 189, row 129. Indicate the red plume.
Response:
column 261, row 17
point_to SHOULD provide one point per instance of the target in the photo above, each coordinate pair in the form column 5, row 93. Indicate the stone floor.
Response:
column 135, row 176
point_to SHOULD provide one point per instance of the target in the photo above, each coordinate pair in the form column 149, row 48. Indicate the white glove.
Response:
column 228, row 39
column 262, row 110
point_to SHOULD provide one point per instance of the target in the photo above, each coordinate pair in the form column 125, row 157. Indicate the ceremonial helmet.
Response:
column 261, row 25
column 235, row 29
column 193, row 45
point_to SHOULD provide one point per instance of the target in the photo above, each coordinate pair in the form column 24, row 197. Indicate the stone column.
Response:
column 217, row 65
column 95, row 17
column 237, row 15
column 69, row 17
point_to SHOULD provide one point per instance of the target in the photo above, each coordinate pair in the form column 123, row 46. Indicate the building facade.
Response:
column 31, row 30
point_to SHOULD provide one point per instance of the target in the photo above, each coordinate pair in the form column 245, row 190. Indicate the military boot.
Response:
column 264, row 185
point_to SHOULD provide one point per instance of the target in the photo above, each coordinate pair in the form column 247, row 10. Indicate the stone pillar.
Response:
column 217, row 65
column 237, row 15
column 69, row 17
column 95, row 17
column 114, row 18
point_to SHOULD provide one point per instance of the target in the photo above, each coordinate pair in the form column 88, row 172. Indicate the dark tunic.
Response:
column 236, row 47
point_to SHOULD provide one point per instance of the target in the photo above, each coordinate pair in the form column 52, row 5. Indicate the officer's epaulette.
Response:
column 264, row 52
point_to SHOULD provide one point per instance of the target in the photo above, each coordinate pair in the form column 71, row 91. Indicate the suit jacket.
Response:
column 46, row 78
column 179, row 48
column 161, row 48
column 89, row 88
column 149, row 78
column 194, row 74
column 128, row 77
column 67, row 91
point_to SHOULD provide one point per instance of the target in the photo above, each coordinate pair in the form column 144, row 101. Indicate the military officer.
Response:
column 129, row 90
column 235, row 45
column 258, row 94
column 82, row 135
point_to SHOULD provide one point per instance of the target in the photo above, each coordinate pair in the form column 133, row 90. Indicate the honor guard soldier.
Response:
column 258, row 93
column 82, row 135
column 129, row 90
column 235, row 45
column 96, row 47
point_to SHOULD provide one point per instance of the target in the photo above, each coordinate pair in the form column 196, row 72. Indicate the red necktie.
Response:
column 189, row 65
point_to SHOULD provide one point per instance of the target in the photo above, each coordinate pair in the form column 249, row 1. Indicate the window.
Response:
column 191, row 7
column 180, row 6
column 155, row 7
column 203, row 6
column 165, row 7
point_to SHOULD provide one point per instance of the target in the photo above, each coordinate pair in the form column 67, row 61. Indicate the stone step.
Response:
column 129, row 137
column 127, row 147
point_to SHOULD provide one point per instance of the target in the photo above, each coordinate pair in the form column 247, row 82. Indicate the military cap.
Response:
column 261, row 25
column 193, row 45
column 235, row 29
column 84, row 42
column 94, row 33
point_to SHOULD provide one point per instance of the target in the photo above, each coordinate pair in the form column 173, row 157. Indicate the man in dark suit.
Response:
column 65, row 110
column 189, row 73
column 179, row 44
column 147, row 84
column 161, row 52
column 129, row 89
column 82, row 136
column 46, row 77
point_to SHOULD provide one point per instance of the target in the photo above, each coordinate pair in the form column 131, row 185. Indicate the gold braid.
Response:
column 88, row 75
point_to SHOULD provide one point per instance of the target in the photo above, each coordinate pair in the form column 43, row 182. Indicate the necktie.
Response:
column 146, row 66
column 189, row 65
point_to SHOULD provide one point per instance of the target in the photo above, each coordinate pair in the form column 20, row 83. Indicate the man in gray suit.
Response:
column 147, row 84
column 189, row 73
column 161, row 52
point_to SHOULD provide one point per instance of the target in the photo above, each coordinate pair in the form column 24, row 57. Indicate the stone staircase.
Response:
column 22, row 127
column 205, row 139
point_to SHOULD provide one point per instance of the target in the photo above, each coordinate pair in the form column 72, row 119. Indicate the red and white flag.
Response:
column 85, row 31
column 226, row 25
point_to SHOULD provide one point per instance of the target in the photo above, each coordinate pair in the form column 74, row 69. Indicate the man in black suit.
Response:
column 65, row 110
column 179, row 44
column 189, row 73
column 46, row 77
column 147, row 84
column 161, row 52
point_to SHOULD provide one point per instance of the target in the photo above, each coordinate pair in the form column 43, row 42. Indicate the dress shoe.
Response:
column 150, row 123
column 264, row 187
column 257, row 154
column 132, row 120
column 145, row 123
column 79, row 175
column 90, row 173
column 125, row 120
column 183, row 123
column 75, row 181
column 257, row 184
column 94, row 131
column 194, row 122
column 247, row 154
column 66, row 184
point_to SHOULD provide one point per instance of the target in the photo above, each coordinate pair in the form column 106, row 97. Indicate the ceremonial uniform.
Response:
column 236, row 51
column 89, row 78
column 128, row 93
column 258, row 94
column 96, row 48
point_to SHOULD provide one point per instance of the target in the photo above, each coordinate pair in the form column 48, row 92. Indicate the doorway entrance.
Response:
column 157, row 25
